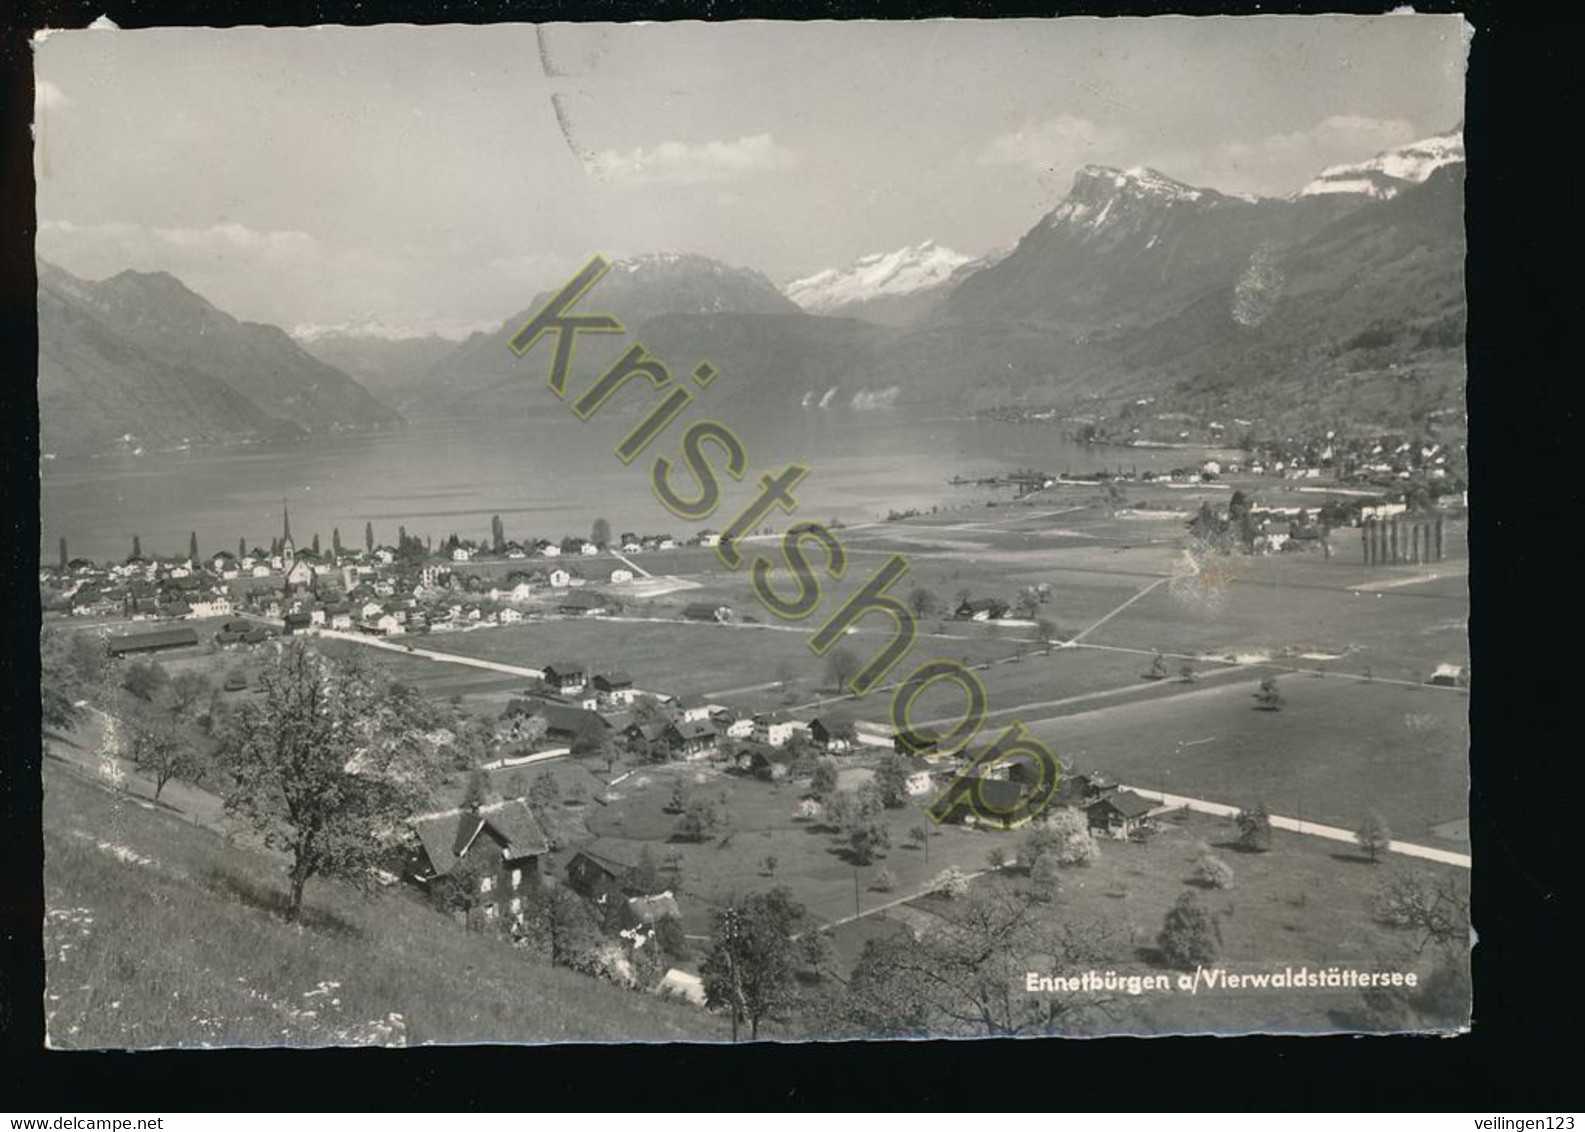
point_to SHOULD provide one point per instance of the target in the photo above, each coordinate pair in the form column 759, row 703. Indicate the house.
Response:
column 340, row 617
column 703, row 611
column 158, row 641
column 1447, row 676
column 214, row 606
column 615, row 688
column 990, row 797
column 504, row 834
column 689, row 739
column 832, row 737
column 689, row 709
column 566, row 724
column 388, row 625
column 565, row 676
column 461, row 554
column 544, row 548
column 982, row 609
column 559, row 579
column 709, row 538
column 1119, row 814
column 300, row 575
column 298, row 623
column 731, row 725
column 509, row 616
column 775, row 729
column 650, row 910
column 594, row 875
column 642, row 735
column 621, row 575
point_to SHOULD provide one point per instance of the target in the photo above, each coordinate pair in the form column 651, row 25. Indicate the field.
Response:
column 1299, row 904
column 127, row 884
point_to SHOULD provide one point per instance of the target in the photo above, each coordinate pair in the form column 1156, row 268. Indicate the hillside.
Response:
column 124, row 883
column 139, row 360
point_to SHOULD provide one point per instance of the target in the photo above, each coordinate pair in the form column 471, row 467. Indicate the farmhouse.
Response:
column 703, row 611
column 775, row 729
column 582, row 604
column 505, row 835
column 594, row 875
column 686, row 739
column 993, row 794
column 1119, row 814
column 565, row 676
column 770, row 763
column 982, row 609
column 564, row 724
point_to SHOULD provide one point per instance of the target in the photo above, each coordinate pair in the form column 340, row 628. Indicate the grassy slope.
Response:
column 159, row 933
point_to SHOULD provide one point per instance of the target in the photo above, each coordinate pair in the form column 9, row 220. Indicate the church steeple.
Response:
column 288, row 548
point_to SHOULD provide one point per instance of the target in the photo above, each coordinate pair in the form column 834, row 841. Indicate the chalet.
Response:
column 1119, row 814
column 689, row 709
column 544, row 548
column 631, row 545
column 595, row 875
column 703, row 611
column 565, row 676
column 982, row 609
column 339, row 617
column 158, row 641
column 461, row 554
column 504, row 834
column 620, row 575
column 709, row 538
column 566, row 724
column 615, row 687
column 298, row 623
column 689, row 739
column 835, row 738
column 212, row 606
column 301, row 574
column 991, row 797
column 643, row 735
column 1447, row 676
column 559, row 579
column 732, row 725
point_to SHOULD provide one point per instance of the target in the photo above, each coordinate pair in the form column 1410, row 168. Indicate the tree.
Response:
column 922, row 602
column 703, row 818
column 643, row 879
column 1186, row 672
column 137, row 547
column 1373, row 836
column 965, row 976
column 1254, row 829
column 59, row 681
column 600, row 534
column 1158, row 668
column 314, row 544
column 64, row 560
column 327, row 760
column 950, row 883
column 1437, row 909
column 1188, row 934
column 186, row 691
column 145, row 679
column 920, row 836
column 1064, row 836
column 478, row 790
column 368, row 537
column 884, row 880
column 242, row 549
column 558, row 924
column 891, row 779
column 162, row 752
column 678, row 802
column 1212, row 872
column 1268, row 698
column 497, row 535
column 1046, row 875
column 1046, row 634
column 868, row 837
column 335, row 542
column 824, row 782
column 750, row 968
column 841, row 666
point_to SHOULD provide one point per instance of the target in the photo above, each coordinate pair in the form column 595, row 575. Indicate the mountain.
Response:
column 1391, row 171
column 473, row 378
column 1130, row 246
column 391, row 365
column 891, row 288
column 139, row 360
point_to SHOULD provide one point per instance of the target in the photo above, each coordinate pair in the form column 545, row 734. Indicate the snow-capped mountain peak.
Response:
column 879, row 275
column 1391, row 171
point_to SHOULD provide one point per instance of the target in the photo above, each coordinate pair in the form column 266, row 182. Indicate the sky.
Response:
column 436, row 179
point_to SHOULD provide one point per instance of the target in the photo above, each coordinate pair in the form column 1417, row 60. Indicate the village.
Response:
column 625, row 730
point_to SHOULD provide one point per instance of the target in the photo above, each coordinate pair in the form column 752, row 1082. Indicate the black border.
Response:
column 1521, row 200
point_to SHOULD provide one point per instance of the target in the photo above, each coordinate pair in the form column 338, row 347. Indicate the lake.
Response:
column 546, row 477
